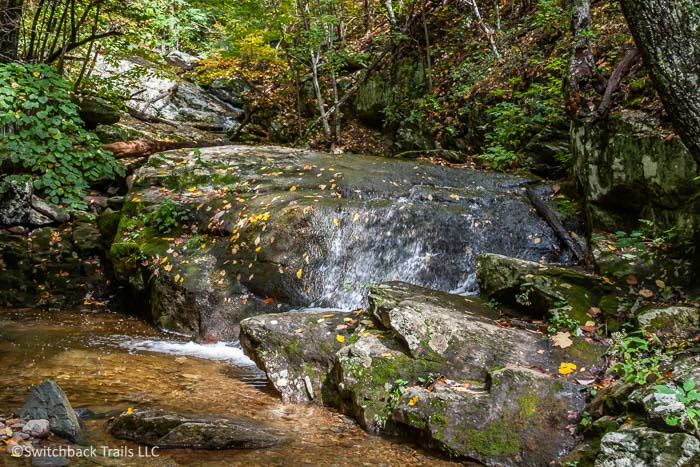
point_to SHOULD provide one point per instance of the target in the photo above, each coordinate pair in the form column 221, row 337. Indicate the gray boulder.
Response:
column 48, row 401
column 170, row 430
column 679, row 322
column 464, row 334
column 15, row 202
column 659, row 406
column 642, row 446
column 522, row 418
column 297, row 350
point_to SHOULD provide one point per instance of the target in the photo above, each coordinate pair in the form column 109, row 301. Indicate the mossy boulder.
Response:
column 640, row 265
column 371, row 373
column 464, row 335
column 297, row 351
column 629, row 171
column 539, row 290
column 171, row 430
column 522, row 417
column 212, row 235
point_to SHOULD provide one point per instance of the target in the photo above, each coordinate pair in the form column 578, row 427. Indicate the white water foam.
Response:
column 220, row 351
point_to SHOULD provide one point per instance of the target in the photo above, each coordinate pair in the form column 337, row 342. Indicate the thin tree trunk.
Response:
column 488, row 30
column 10, row 22
column 667, row 34
column 582, row 66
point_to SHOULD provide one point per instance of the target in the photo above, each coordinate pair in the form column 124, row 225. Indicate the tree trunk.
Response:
column 668, row 35
column 10, row 22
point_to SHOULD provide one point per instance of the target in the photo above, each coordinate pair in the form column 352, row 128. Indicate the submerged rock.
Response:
column 37, row 428
column 633, row 446
column 48, row 401
column 523, row 418
column 170, row 430
column 297, row 350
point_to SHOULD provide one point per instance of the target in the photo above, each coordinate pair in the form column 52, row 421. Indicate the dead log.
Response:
column 548, row 214
column 140, row 148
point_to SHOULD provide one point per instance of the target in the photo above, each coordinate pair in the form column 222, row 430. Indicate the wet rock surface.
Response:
column 280, row 228
column 47, row 401
column 170, row 430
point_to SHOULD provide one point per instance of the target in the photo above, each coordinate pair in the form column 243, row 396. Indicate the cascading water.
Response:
column 430, row 237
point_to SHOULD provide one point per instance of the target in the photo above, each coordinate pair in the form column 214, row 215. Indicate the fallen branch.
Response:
column 548, row 214
column 141, row 148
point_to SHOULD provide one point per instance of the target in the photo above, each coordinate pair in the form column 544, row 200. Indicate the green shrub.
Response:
column 43, row 136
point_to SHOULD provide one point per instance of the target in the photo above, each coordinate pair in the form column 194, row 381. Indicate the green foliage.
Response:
column 638, row 356
column 167, row 217
column 686, row 395
column 560, row 319
column 549, row 15
column 43, row 135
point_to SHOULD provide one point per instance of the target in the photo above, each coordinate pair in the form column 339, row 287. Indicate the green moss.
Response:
column 121, row 250
column 293, row 348
column 528, row 404
column 416, row 421
column 496, row 439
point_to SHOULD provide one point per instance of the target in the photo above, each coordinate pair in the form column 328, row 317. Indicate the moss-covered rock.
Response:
column 463, row 334
column 214, row 234
column 629, row 171
column 297, row 351
column 540, row 290
column 521, row 418
column 371, row 374
column 670, row 322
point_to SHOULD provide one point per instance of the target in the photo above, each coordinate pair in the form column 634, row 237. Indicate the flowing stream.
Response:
column 107, row 362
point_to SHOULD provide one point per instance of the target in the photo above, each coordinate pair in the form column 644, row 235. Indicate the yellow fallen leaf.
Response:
column 340, row 338
column 292, row 188
column 413, row 401
column 8, row 431
column 566, row 368
column 135, row 200
column 130, row 410
column 356, row 218
column 336, row 221
column 607, row 280
column 168, row 267
column 453, row 196
column 258, row 249
column 300, row 272
column 164, row 260
column 660, row 284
